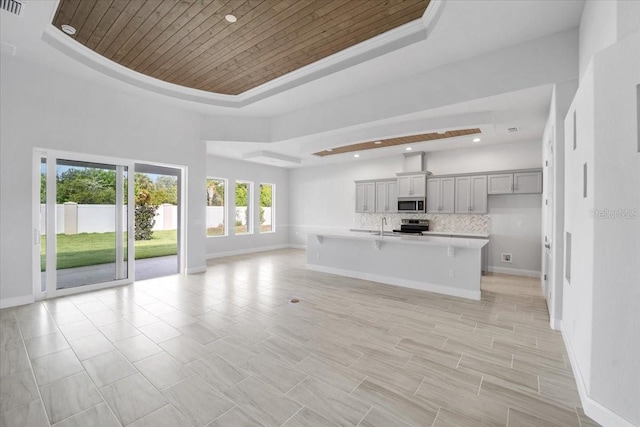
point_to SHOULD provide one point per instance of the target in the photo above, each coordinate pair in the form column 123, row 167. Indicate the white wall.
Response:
column 600, row 305
column 615, row 375
column 325, row 196
column 232, row 170
column 553, row 191
column 515, row 229
column 597, row 29
column 42, row 108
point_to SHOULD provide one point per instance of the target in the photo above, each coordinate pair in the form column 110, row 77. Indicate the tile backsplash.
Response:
column 455, row 223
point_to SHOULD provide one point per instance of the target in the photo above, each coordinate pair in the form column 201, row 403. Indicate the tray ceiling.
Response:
column 189, row 42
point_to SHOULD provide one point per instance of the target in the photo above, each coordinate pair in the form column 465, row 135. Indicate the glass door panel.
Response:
column 91, row 223
column 42, row 227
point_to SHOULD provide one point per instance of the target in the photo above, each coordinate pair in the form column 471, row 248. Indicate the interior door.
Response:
column 87, row 236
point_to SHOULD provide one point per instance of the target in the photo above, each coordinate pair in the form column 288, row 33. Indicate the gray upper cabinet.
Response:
column 386, row 196
column 518, row 183
column 501, row 183
column 441, row 195
column 471, row 194
column 365, row 197
column 412, row 185
column 527, row 182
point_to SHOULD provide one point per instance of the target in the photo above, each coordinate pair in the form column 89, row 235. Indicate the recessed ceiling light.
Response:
column 408, row 148
column 476, row 140
column 329, row 149
column 377, row 142
column 68, row 29
column 230, row 18
column 441, row 132
column 356, row 155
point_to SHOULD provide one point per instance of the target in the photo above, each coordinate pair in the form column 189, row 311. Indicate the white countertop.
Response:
column 433, row 233
column 431, row 240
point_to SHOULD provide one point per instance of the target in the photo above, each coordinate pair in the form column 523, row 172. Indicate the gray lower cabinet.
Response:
column 365, row 197
column 515, row 183
column 441, row 195
column 471, row 194
column 386, row 196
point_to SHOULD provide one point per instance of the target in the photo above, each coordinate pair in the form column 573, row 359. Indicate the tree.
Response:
column 241, row 193
column 86, row 186
column 145, row 215
column 166, row 190
column 215, row 192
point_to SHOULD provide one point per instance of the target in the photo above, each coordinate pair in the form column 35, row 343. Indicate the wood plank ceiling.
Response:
column 391, row 142
column 189, row 42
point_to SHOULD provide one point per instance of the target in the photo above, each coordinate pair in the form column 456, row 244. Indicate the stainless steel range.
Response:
column 413, row 226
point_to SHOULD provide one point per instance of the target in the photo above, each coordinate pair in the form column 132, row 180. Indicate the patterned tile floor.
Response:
column 226, row 348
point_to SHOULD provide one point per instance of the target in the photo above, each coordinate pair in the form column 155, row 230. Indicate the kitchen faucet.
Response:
column 383, row 222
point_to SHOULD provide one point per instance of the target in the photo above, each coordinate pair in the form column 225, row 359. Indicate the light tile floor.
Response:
column 226, row 348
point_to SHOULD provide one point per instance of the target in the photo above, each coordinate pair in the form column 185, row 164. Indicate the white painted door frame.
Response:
column 52, row 157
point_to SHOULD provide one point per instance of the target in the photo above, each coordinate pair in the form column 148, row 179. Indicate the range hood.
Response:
column 414, row 163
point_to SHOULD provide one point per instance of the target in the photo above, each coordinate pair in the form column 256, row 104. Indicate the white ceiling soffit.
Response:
column 382, row 44
column 272, row 159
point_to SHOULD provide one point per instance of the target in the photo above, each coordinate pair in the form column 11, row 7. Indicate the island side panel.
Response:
column 421, row 267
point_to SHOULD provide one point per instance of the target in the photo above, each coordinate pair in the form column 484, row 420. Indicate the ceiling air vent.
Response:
column 513, row 129
column 12, row 6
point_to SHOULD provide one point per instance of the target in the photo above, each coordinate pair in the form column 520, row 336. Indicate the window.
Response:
column 267, row 205
column 216, row 202
column 243, row 208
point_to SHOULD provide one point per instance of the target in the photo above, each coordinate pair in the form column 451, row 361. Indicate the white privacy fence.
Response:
column 72, row 218
column 215, row 215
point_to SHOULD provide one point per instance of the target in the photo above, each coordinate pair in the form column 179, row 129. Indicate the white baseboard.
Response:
column 599, row 413
column 248, row 251
column 429, row 287
column 556, row 324
column 514, row 271
column 298, row 246
column 196, row 270
column 15, row 301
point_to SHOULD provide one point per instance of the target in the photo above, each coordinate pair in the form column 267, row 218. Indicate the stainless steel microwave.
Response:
column 416, row 205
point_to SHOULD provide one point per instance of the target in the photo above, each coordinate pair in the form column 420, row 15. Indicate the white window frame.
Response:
column 250, row 210
column 225, row 209
column 273, row 208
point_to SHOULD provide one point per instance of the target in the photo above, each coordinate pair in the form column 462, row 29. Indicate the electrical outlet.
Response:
column 452, row 273
column 506, row 257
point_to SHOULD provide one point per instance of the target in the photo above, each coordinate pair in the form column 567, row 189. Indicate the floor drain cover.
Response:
column 294, row 300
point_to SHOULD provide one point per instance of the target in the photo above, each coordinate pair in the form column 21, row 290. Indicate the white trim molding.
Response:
column 16, row 301
column 514, row 271
column 249, row 251
column 196, row 270
column 429, row 287
column 592, row 408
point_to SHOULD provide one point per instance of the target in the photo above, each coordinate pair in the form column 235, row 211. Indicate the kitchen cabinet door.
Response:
column 404, row 186
column 478, row 194
column 527, row 182
column 365, row 197
column 500, row 183
column 433, row 195
column 381, row 197
column 418, row 185
column 447, row 195
column 392, row 196
column 463, row 198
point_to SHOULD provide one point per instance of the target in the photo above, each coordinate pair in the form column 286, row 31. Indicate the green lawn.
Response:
column 84, row 249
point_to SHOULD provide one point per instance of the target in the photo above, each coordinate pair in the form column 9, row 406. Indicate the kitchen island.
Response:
column 446, row 265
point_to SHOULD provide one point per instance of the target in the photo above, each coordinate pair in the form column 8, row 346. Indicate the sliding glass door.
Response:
column 85, row 222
